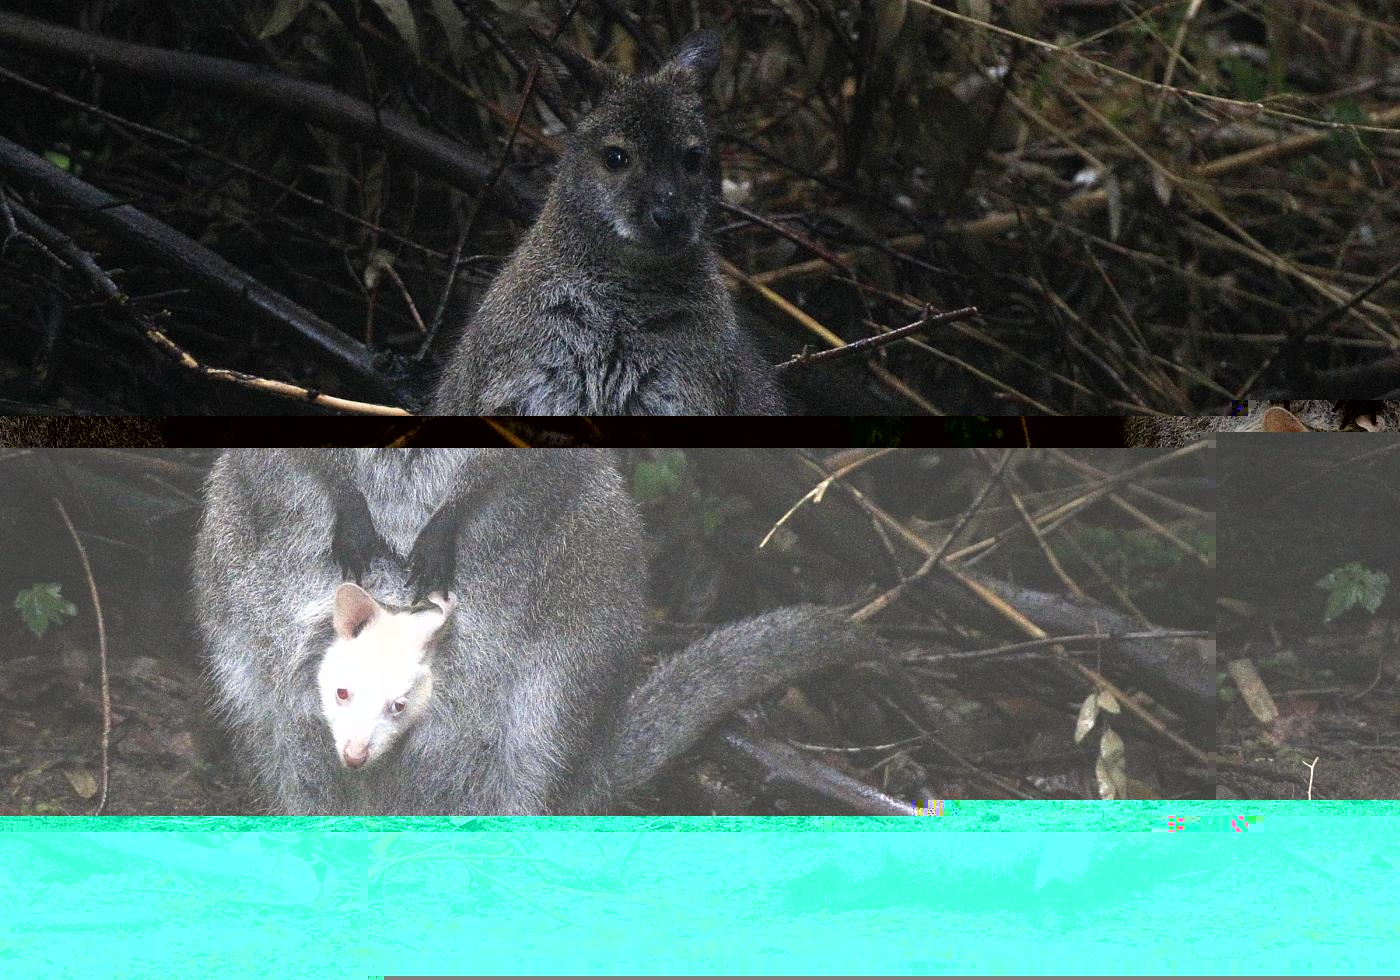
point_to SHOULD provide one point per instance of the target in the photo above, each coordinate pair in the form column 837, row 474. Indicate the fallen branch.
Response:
column 868, row 344
column 281, row 389
column 218, row 276
column 785, row 766
column 101, row 657
column 312, row 101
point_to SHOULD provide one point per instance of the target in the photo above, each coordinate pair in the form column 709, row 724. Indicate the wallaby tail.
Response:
column 688, row 694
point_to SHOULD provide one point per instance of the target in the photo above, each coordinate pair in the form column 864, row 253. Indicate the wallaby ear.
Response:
column 354, row 610
column 589, row 78
column 1282, row 420
column 694, row 60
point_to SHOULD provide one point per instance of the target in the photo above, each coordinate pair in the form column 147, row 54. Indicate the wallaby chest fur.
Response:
column 613, row 302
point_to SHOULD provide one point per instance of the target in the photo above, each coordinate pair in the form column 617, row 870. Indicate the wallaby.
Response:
column 533, row 705
column 1288, row 416
column 613, row 304
column 376, row 679
column 79, row 430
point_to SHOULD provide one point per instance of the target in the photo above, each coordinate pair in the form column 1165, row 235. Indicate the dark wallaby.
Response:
column 613, row 304
column 531, row 704
column 79, row 430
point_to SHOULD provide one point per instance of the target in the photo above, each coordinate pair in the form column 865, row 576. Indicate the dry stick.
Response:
column 880, row 602
column 104, row 286
column 1031, row 646
column 808, row 321
column 786, row 764
column 488, row 31
column 1069, row 50
column 511, row 439
column 991, row 599
column 282, row 389
column 1175, row 54
column 1243, row 242
column 869, row 344
column 431, row 334
column 998, row 222
column 101, row 655
column 314, row 102
column 121, row 123
column 213, row 272
column 1292, row 342
column 817, row 492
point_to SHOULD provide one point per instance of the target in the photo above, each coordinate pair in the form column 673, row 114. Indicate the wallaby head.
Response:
column 639, row 168
column 376, row 677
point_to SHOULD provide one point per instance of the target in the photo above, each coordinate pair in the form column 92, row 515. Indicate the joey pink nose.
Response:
column 355, row 755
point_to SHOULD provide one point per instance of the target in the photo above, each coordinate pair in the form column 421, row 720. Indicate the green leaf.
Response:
column 1352, row 585
column 43, row 605
column 60, row 160
column 659, row 478
column 281, row 17
column 400, row 15
column 454, row 27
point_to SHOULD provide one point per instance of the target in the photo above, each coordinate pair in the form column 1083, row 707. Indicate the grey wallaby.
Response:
column 613, row 303
column 1278, row 416
column 79, row 430
column 535, row 703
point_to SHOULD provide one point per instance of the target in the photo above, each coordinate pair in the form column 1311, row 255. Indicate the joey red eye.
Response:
column 615, row 157
column 342, row 695
column 398, row 705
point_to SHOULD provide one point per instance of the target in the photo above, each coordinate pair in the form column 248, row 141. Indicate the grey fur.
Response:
column 1173, row 431
column 686, row 696
column 530, row 711
column 79, row 430
column 602, row 310
column 544, row 638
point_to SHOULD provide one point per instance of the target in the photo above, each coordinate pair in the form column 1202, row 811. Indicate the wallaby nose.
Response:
column 665, row 212
column 355, row 754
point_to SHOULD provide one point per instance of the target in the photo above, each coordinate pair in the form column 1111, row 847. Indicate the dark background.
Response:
column 918, row 724
column 1128, row 247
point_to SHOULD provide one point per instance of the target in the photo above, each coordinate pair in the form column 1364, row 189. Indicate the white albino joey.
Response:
column 376, row 677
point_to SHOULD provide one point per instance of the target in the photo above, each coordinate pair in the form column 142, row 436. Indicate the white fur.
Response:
column 382, row 660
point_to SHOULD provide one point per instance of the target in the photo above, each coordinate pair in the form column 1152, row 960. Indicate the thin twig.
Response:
column 882, row 601
column 1293, row 341
column 430, row 334
column 868, row 344
column 101, row 656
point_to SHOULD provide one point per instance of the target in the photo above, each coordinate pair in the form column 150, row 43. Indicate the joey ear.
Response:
column 694, row 60
column 1282, row 420
column 427, row 623
column 354, row 610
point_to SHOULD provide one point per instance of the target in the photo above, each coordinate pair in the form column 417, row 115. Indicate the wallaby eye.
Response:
column 342, row 695
column 615, row 157
column 693, row 160
column 398, row 705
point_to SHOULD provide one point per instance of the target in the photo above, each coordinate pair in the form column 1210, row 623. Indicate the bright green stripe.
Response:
column 1306, row 888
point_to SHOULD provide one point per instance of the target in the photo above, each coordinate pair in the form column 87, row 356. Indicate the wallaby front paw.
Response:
column 432, row 564
column 356, row 542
